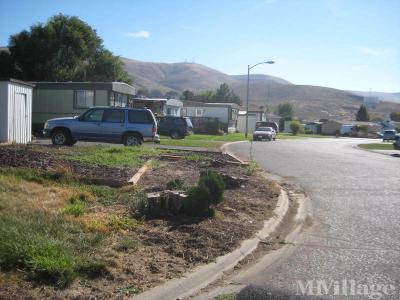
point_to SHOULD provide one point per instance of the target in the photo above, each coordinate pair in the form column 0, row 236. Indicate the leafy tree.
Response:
column 207, row 96
column 64, row 49
column 171, row 95
column 395, row 116
column 7, row 65
column 285, row 110
column 156, row 94
column 225, row 94
column 107, row 67
column 187, row 95
column 362, row 113
column 222, row 95
column 295, row 127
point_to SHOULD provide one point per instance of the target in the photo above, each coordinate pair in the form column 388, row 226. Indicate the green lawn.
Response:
column 216, row 141
column 110, row 155
column 377, row 146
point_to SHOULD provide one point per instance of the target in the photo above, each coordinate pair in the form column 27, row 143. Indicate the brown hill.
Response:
column 310, row 102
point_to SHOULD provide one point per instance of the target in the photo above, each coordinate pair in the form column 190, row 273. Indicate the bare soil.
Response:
column 29, row 158
column 166, row 246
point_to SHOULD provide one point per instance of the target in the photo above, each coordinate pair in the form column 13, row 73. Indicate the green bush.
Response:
column 308, row 131
column 295, row 127
column 209, row 191
column 214, row 182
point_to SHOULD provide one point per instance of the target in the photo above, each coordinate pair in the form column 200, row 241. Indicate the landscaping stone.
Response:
column 165, row 202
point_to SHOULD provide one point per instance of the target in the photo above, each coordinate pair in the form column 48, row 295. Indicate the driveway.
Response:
column 355, row 236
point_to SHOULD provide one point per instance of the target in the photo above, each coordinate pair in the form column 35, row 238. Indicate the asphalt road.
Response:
column 355, row 236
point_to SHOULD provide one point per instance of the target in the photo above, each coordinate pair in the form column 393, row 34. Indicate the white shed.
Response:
column 15, row 111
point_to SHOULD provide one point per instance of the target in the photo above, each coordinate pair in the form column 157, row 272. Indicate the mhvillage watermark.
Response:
column 346, row 287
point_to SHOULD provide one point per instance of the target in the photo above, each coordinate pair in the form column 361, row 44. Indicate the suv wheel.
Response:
column 61, row 138
column 132, row 139
column 174, row 135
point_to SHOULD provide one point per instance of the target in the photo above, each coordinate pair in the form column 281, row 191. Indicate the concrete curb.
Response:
column 192, row 282
column 224, row 149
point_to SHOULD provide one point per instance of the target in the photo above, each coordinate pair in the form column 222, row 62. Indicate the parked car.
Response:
column 389, row 134
column 264, row 133
column 104, row 124
column 396, row 143
column 274, row 125
column 175, row 127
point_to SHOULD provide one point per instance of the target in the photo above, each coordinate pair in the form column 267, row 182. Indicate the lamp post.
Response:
column 270, row 62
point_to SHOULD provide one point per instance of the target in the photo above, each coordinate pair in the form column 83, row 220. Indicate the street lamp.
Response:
column 270, row 62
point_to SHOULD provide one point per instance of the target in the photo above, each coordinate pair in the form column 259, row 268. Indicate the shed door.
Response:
column 19, row 122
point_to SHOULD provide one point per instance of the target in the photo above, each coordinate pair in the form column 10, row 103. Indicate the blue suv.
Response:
column 129, row 126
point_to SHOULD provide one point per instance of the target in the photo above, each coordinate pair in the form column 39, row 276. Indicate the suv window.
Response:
column 94, row 115
column 140, row 116
column 114, row 116
column 179, row 121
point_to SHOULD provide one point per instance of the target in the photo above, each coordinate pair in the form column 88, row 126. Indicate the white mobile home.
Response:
column 226, row 113
column 15, row 111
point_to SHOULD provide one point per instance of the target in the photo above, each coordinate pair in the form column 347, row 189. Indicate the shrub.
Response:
column 295, row 127
column 209, row 191
column 308, row 131
column 215, row 184
column 198, row 200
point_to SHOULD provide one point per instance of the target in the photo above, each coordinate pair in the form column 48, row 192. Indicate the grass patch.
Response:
column 251, row 168
column 377, row 146
column 48, row 248
column 126, row 244
column 75, row 208
column 225, row 297
column 216, row 141
column 113, row 156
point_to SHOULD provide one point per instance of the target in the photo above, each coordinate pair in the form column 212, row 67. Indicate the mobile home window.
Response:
column 84, row 99
column 199, row 112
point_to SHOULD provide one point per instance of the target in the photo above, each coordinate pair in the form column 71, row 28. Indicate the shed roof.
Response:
column 17, row 81
column 119, row 87
column 188, row 103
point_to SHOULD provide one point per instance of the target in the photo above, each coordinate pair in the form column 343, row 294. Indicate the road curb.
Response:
column 192, row 282
column 224, row 149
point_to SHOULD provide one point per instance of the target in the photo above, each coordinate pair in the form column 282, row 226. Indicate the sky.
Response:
column 345, row 44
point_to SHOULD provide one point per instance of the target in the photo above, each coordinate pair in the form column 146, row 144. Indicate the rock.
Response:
column 233, row 182
column 165, row 202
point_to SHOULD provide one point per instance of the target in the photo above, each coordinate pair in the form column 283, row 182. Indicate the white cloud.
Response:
column 141, row 34
column 375, row 51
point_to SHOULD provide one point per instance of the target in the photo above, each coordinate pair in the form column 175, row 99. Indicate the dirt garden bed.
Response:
column 45, row 159
column 145, row 252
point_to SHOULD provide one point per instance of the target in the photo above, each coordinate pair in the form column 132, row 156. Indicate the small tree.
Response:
column 295, row 127
column 395, row 116
column 285, row 110
column 362, row 114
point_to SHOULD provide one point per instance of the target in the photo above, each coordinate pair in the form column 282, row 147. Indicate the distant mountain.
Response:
column 390, row 97
column 310, row 102
column 260, row 78
column 185, row 76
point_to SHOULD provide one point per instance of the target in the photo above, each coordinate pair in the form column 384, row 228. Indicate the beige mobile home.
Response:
column 66, row 99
